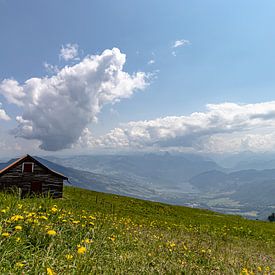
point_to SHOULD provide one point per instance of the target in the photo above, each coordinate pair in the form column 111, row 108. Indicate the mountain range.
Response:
column 183, row 179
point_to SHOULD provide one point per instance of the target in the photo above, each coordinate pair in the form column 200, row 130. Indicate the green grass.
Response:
column 127, row 236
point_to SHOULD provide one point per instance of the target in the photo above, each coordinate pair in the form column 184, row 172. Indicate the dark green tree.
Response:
column 271, row 218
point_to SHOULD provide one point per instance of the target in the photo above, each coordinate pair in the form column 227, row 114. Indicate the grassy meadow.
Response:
column 88, row 232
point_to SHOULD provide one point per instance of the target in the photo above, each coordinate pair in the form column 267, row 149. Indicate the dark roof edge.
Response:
column 6, row 169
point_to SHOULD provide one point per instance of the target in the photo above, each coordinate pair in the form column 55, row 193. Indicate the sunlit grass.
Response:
column 89, row 232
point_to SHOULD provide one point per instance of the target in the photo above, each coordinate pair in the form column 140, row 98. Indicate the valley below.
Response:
column 188, row 180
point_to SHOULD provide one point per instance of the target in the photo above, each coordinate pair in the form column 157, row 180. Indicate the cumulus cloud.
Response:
column 3, row 115
column 57, row 109
column 69, row 52
column 151, row 62
column 200, row 130
column 181, row 43
column 12, row 91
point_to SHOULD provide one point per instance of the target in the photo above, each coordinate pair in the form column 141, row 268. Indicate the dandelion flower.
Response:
column 69, row 257
column 50, row 271
column 16, row 218
column 51, row 232
column 5, row 234
column 244, row 271
column 54, row 209
column 112, row 238
column 172, row 244
column 87, row 241
column 81, row 250
column 18, row 227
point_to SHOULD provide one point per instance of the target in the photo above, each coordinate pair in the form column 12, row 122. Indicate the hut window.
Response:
column 27, row 167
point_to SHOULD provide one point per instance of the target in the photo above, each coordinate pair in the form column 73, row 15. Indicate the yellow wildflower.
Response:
column 18, row 227
column 69, row 257
column 19, row 264
column 5, row 234
column 54, row 209
column 81, row 250
column 16, row 218
column 50, row 271
column 172, row 244
column 87, row 241
column 244, row 271
column 51, row 232
column 112, row 238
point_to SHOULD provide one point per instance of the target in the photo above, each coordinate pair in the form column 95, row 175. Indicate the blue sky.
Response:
column 229, row 58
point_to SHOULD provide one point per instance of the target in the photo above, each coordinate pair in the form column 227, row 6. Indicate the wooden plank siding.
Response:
column 52, row 184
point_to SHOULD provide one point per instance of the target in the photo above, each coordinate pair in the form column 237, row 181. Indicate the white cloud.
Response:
column 12, row 91
column 237, row 142
column 219, row 128
column 181, row 43
column 69, row 52
column 3, row 115
column 151, row 62
column 52, row 69
column 57, row 109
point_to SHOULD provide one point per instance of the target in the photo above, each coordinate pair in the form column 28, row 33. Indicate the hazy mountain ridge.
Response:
column 176, row 179
column 96, row 181
column 182, row 179
column 219, row 181
column 161, row 169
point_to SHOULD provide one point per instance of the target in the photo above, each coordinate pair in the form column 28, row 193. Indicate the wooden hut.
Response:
column 32, row 178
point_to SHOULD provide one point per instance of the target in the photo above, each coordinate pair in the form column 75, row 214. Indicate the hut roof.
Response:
column 30, row 158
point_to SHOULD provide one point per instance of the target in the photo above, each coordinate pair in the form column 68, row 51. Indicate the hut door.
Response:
column 36, row 187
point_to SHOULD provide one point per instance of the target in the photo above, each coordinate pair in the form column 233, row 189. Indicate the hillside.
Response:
column 89, row 232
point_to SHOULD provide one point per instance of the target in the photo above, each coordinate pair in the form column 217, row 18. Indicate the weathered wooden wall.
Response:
column 15, row 178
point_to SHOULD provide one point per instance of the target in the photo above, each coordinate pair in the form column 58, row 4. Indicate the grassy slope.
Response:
column 125, row 235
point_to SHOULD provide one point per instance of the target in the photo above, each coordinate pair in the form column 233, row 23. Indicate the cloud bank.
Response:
column 244, row 125
column 57, row 109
